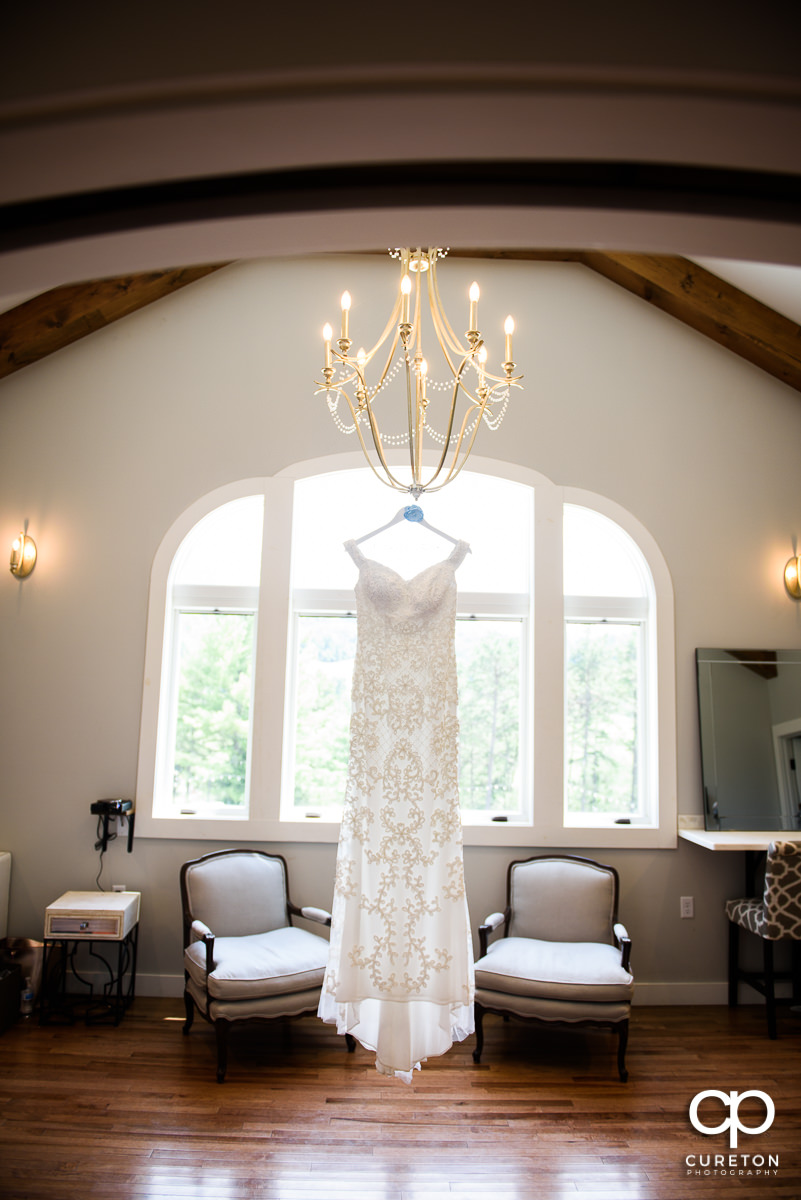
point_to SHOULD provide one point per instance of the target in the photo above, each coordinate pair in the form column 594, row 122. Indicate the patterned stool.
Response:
column 774, row 917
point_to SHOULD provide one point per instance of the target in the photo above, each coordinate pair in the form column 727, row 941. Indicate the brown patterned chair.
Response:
column 775, row 916
column 244, row 960
column 563, row 958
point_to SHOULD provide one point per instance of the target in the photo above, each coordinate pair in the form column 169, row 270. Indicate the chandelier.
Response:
column 476, row 395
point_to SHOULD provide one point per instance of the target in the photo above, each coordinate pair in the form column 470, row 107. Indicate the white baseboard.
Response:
column 160, row 985
column 649, row 994
column 146, row 985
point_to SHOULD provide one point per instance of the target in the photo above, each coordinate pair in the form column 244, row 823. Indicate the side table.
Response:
column 93, row 918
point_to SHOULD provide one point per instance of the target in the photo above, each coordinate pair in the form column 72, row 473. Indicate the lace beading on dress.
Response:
column 400, row 970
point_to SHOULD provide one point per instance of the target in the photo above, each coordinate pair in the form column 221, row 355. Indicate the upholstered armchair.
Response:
column 563, row 958
column 243, row 957
column 774, row 916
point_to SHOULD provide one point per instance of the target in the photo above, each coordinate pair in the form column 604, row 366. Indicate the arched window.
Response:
column 206, row 704
column 610, row 670
column 252, row 632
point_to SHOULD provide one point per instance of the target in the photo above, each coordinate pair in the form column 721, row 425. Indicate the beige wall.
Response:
column 106, row 442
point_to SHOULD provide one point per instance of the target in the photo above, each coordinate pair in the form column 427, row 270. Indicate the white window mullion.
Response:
column 272, row 631
column 549, row 670
column 165, row 761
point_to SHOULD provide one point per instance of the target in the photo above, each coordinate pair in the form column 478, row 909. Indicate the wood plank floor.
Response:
column 135, row 1113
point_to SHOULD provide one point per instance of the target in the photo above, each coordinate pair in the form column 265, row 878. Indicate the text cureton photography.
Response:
column 753, row 1122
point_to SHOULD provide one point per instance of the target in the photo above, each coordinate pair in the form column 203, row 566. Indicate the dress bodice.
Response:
column 396, row 598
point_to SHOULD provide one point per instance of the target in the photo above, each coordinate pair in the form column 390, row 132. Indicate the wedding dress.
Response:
column 400, row 967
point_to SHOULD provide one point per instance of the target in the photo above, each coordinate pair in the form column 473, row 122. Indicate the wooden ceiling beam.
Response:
column 693, row 295
column 708, row 304
column 61, row 316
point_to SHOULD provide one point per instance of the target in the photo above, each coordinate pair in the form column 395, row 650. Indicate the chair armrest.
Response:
column 623, row 941
column 199, row 932
column 320, row 915
column 490, row 924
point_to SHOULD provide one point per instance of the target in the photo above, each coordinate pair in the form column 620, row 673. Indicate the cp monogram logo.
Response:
column 732, row 1101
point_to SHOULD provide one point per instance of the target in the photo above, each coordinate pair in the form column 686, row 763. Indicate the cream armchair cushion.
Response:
column 260, row 964
column 572, row 971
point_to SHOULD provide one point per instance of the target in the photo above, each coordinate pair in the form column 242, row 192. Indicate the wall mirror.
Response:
column 749, row 707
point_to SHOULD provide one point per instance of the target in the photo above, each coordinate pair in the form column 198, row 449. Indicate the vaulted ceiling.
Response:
column 678, row 286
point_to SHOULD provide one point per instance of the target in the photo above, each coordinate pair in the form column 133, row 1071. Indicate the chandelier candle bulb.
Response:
column 345, row 302
column 327, row 335
column 509, row 328
column 482, row 359
column 474, row 294
column 406, row 287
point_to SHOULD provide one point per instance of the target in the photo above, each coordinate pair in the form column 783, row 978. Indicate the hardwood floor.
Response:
column 135, row 1113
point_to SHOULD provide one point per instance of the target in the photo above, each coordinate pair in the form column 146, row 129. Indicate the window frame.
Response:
column 545, row 747
column 188, row 600
column 640, row 622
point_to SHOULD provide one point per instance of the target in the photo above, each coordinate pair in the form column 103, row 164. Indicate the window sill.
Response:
column 628, row 837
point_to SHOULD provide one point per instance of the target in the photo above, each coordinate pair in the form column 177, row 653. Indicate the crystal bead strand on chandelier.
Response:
column 485, row 395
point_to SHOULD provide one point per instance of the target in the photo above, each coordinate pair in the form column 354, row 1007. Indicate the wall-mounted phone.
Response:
column 108, row 811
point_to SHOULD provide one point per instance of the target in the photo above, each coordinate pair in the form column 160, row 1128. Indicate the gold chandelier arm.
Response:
column 390, row 357
column 339, row 388
column 446, row 446
column 412, row 417
column 376, row 437
column 379, row 449
column 501, row 379
column 446, row 333
column 457, row 464
column 391, row 323
column 441, row 323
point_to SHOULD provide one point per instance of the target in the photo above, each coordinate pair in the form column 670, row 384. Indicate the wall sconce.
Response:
column 792, row 576
column 23, row 555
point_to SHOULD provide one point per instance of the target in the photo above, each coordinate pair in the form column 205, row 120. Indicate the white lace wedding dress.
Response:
column 400, row 967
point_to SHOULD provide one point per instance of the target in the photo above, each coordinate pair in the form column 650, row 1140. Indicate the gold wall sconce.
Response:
column 23, row 555
column 792, row 576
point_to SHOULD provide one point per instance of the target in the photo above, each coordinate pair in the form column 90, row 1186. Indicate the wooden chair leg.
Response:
column 734, row 964
column 221, row 1030
column 796, row 972
column 622, row 1042
column 189, row 1006
column 479, row 1020
column 770, row 987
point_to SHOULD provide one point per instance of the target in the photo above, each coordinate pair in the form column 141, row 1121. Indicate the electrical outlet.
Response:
column 687, row 906
column 118, row 887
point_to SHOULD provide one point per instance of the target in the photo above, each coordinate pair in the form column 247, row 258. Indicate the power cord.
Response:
column 100, row 844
